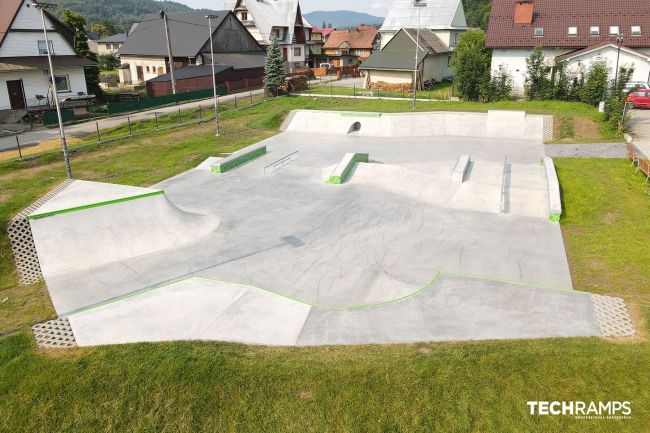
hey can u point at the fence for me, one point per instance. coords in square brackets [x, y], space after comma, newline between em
[147, 123]
[114, 108]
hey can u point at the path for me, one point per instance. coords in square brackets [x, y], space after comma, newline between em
[596, 150]
[640, 124]
[79, 129]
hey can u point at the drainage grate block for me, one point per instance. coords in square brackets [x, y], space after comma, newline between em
[613, 316]
[54, 334]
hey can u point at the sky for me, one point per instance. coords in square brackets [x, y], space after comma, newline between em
[372, 7]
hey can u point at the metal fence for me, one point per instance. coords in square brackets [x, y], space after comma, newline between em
[107, 130]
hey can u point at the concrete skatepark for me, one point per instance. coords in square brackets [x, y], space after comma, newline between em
[448, 232]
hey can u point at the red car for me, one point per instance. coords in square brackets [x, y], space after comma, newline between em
[640, 98]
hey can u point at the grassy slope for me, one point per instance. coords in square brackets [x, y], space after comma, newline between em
[427, 387]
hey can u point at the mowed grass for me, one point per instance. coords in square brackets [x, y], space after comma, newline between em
[445, 387]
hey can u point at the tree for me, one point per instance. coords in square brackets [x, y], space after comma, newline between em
[538, 84]
[477, 12]
[273, 69]
[471, 64]
[324, 25]
[595, 85]
[615, 102]
[108, 61]
[77, 22]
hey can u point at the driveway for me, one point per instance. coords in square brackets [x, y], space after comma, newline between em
[640, 124]
[34, 137]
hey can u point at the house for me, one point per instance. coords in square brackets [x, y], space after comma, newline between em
[111, 44]
[318, 37]
[25, 82]
[279, 19]
[446, 18]
[144, 55]
[570, 31]
[350, 47]
[392, 66]
[93, 37]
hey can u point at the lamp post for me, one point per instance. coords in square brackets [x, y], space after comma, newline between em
[163, 16]
[419, 4]
[64, 144]
[214, 78]
[619, 40]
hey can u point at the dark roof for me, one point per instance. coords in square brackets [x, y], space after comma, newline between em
[556, 16]
[40, 62]
[114, 39]
[393, 58]
[93, 36]
[222, 62]
[188, 34]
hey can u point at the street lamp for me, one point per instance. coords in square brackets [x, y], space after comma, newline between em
[419, 4]
[619, 40]
[64, 144]
[214, 78]
[163, 16]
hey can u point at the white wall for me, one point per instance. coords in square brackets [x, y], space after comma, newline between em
[134, 61]
[101, 48]
[392, 77]
[38, 83]
[386, 36]
[514, 61]
[609, 54]
[25, 44]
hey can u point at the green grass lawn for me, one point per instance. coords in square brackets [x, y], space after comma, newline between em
[446, 387]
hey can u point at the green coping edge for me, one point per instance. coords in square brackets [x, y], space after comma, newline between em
[555, 217]
[227, 166]
[416, 292]
[90, 206]
[338, 180]
[361, 114]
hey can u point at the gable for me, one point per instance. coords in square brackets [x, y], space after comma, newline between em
[437, 15]
[231, 36]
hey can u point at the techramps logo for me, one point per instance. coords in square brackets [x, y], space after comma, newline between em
[582, 409]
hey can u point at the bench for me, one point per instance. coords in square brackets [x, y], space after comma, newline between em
[238, 158]
[343, 169]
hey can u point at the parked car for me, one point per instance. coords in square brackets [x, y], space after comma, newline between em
[640, 98]
[633, 85]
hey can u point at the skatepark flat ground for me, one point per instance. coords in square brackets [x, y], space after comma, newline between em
[398, 253]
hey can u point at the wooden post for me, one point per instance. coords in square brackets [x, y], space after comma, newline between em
[128, 119]
[99, 138]
[20, 153]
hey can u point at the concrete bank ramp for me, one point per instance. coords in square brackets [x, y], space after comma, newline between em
[91, 224]
[493, 124]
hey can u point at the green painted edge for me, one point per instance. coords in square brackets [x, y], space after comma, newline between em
[352, 114]
[338, 180]
[555, 217]
[219, 168]
[331, 307]
[89, 206]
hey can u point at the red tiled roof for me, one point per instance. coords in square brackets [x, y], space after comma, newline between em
[324, 31]
[363, 37]
[556, 16]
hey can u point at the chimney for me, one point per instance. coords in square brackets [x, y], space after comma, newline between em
[524, 12]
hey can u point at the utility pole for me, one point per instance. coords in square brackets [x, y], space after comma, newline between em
[419, 4]
[64, 144]
[619, 40]
[214, 78]
[163, 15]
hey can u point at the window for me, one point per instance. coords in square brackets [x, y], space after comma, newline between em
[116, 46]
[594, 31]
[42, 48]
[147, 68]
[244, 16]
[297, 51]
[276, 33]
[573, 31]
[614, 30]
[539, 31]
[62, 83]
[635, 30]
[448, 61]
[108, 46]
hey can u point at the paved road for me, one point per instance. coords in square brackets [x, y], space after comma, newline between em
[640, 124]
[34, 137]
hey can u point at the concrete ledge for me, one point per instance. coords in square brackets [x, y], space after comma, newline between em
[238, 158]
[342, 170]
[554, 198]
[458, 174]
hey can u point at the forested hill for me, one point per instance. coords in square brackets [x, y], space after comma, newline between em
[477, 12]
[118, 12]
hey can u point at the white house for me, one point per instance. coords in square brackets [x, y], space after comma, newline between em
[111, 44]
[279, 19]
[445, 18]
[571, 31]
[24, 71]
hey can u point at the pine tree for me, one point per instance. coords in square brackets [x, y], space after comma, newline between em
[77, 22]
[273, 69]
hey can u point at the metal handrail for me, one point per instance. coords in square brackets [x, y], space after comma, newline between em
[282, 161]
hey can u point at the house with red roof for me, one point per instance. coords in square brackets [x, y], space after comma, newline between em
[573, 31]
[350, 47]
